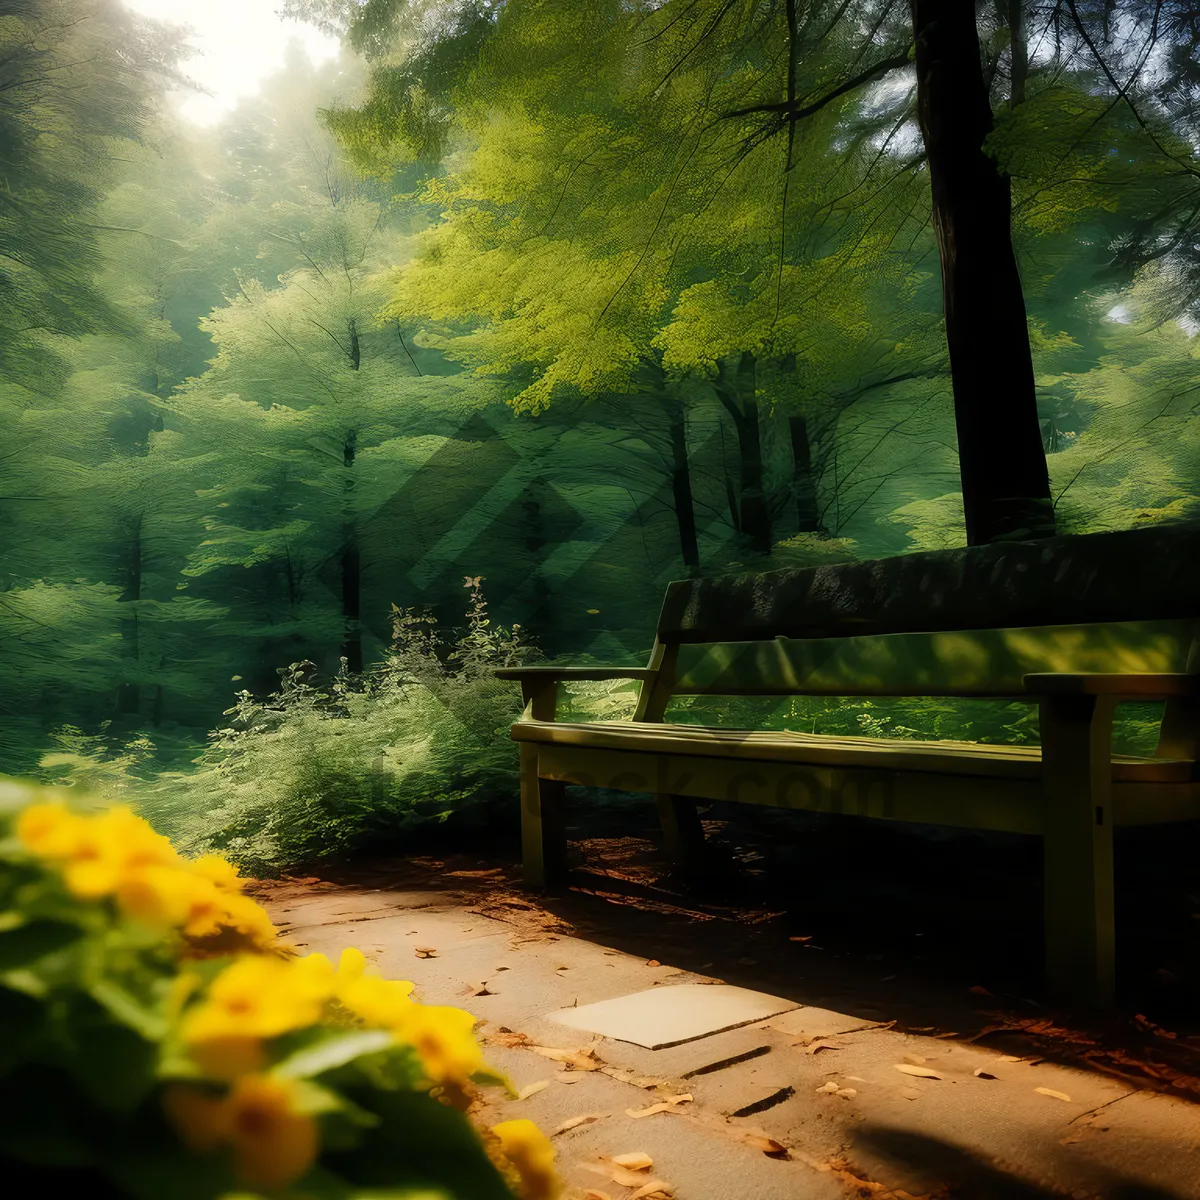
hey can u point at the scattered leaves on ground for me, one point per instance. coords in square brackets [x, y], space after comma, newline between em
[914, 1069]
[1045, 1091]
[575, 1122]
[639, 1160]
[668, 1104]
[980, 1073]
[425, 952]
[577, 1060]
[532, 1089]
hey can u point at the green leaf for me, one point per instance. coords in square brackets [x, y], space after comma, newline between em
[27, 943]
[130, 1011]
[21, 1017]
[333, 1052]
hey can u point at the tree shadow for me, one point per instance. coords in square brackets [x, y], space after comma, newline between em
[963, 1175]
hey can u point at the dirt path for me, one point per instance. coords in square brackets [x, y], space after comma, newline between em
[864, 1090]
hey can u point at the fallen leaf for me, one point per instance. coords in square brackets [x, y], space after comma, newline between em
[946, 1035]
[575, 1122]
[921, 1072]
[580, 1060]
[532, 1089]
[847, 1093]
[479, 989]
[915, 1058]
[818, 1046]
[655, 1187]
[768, 1145]
[1043, 1091]
[807, 938]
[830, 1087]
[569, 1077]
[1011, 1058]
[667, 1105]
[980, 1073]
[506, 1038]
[639, 1160]
[978, 990]
[593, 1194]
[653, 962]
[425, 952]
[626, 1177]
[501, 967]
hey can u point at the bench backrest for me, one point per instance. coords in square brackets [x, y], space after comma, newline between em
[967, 622]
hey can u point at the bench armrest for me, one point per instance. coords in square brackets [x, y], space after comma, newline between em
[1145, 686]
[539, 685]
[546, 674]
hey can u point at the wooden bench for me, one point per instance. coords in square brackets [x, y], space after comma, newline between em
[1072, 624]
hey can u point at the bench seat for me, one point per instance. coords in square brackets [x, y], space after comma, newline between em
[936, 757]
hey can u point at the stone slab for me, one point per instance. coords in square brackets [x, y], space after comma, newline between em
[669, 1016]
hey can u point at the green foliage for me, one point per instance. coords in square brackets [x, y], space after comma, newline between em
[113, 1076]
[318, 770]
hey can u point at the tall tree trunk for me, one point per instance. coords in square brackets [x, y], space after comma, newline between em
[350, 564]
[1018, 52]
[681, 488]
[804, 485]
[1005, 484]
[737, 396]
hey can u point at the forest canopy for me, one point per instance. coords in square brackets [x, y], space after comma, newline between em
[570, 299]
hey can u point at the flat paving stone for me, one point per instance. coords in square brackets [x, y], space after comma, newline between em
[669, 1016]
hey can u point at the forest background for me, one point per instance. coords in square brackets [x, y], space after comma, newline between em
[456, 349]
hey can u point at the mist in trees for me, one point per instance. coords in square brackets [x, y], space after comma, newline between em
[576, 299]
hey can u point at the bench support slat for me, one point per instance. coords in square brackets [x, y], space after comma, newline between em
[543, 831]
[1078, 845]
[683, 834]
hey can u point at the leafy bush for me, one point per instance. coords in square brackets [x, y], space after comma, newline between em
[159, 1043]
[318, 769]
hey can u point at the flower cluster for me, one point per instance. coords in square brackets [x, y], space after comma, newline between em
[275, 1072]
[117, 854]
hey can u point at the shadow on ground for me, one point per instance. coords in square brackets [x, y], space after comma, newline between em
[937, 931]
[953, 1171]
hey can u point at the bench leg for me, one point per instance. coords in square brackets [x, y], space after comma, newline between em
[683, 834]
[543, 835]
[1078, 845]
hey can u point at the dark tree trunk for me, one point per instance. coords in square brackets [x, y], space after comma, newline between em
[350, 564]
[737, 395]
[804, 485]
[681, 487]
[1005, 485]
[1018, 52]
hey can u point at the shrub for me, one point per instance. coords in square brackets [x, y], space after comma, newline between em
[319, 769]
[160, 1043]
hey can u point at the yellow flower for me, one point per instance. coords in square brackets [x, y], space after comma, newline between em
[250, 919]
[273, 1143]
[373, 999]
[156, 895]
[445, 1040]
[96, 853]
[530, 1152]
[258, 997]
[218, 871]
[49, 830]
